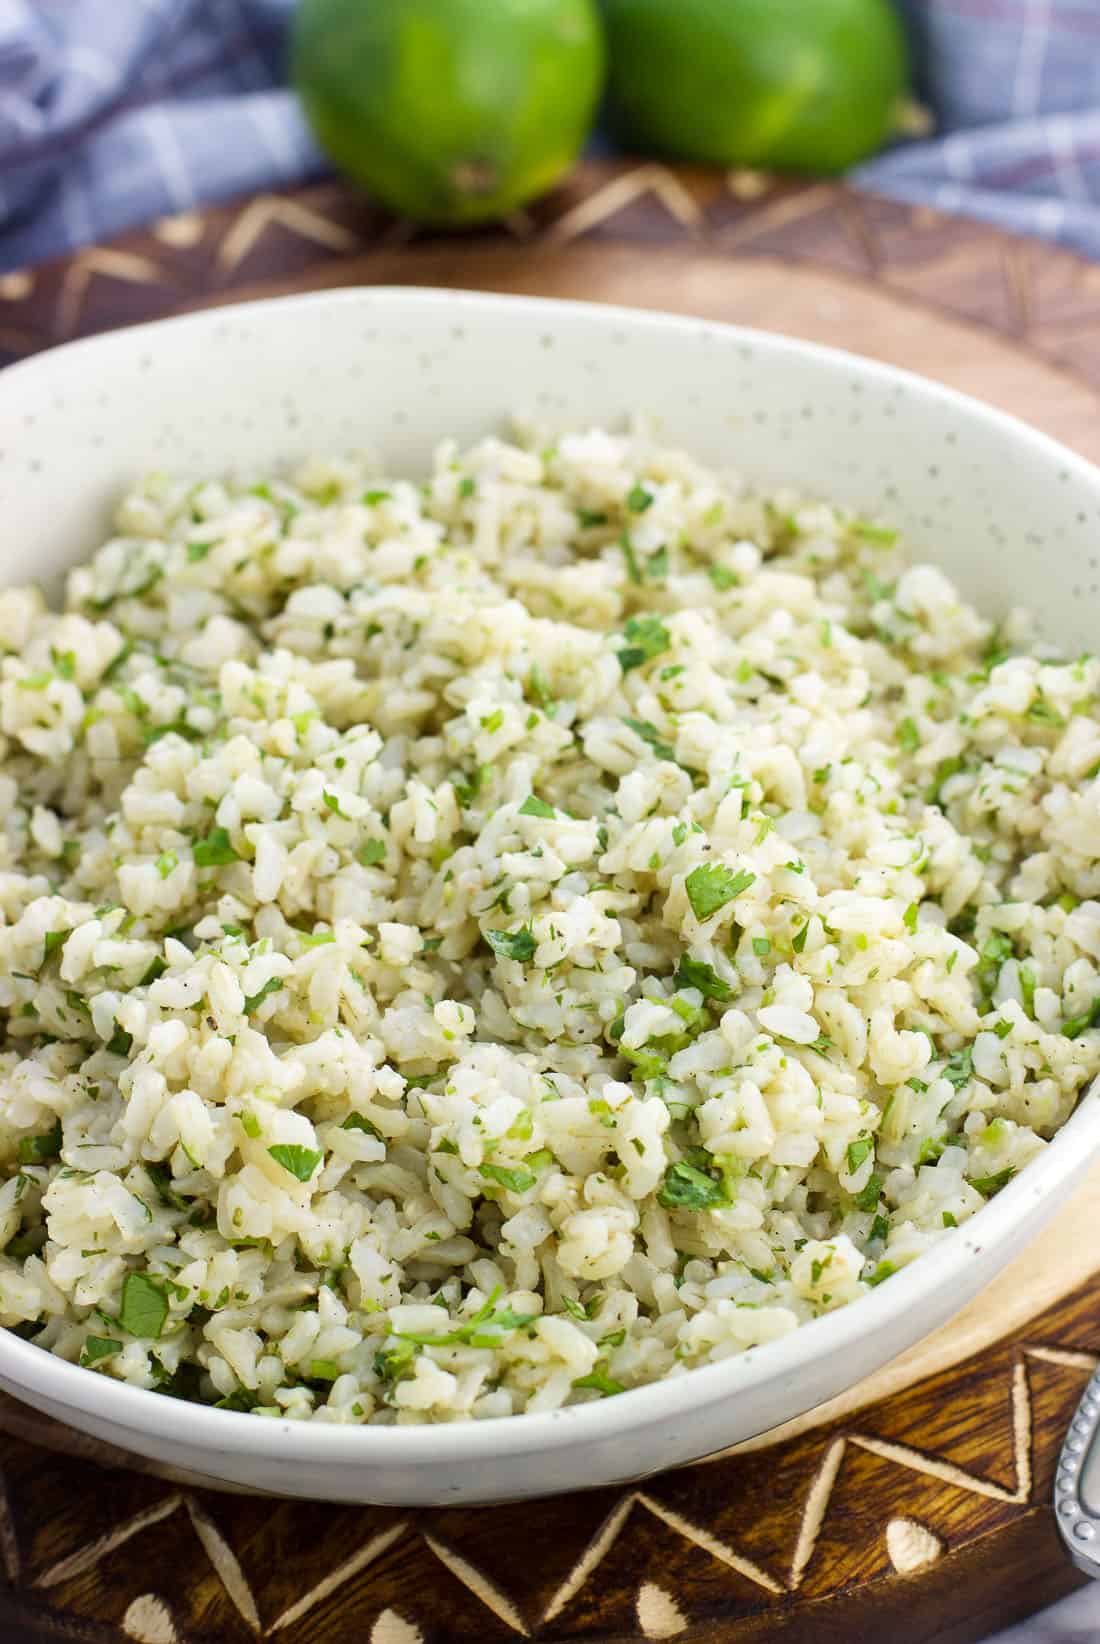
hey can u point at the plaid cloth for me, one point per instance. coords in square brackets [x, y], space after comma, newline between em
[114, 112]
[1015, 86]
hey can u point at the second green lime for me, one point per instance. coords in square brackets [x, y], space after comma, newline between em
[450, 111]
[804, 85]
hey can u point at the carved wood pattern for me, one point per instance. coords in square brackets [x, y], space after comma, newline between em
[908, 1509]
[924, 1511]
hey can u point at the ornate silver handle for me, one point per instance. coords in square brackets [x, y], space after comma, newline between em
[1077, 1483]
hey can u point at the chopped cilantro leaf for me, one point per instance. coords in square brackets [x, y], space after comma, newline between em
[686, 1188]
[144, 1306]
[516, 1180]
[710, 886]
[988, 1185]
[603, 1383]
[300, 1161]
[649, 733]
[908, 735]
[98, 1347]
[512, 944]
[959, 1070]
[1041, 713]
[356, 1121]
[215, 850]
[880, 535]
[868, 1197]
[696, 973]
[534, 806]
[33, 1149]
[272, 985]
[633, 569]
[1076, 1025]
[647, 637]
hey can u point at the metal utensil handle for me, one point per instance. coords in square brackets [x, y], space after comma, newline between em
[1077, 1483]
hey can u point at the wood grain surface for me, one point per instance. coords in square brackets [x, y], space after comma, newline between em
[917, 1503]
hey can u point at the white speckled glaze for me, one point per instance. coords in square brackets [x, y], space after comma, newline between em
[1013, 517]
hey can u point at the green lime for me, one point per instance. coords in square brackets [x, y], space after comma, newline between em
[803, 85]
[450, 111]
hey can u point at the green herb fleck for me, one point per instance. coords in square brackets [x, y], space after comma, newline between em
[686, 1188]
[98, 1347]
[300, 1161]
[512, 944]
[647, 637]
[988, 1185]
[356, 1121]
[33, 1149]
[1076, 1025]
[696, 973]
[908, 735]
[534, 806]
[272, 985]
[881, 536]
[633, 569]
[1041, 713]
[516, 1180]
[144, 1306]
[215, 850]
[649, 733]
[959, 1070]
[120, 1043]
[710, 886]
[868, 1197]
[603, 1383]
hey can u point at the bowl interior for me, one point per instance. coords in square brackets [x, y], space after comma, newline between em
[396, 371]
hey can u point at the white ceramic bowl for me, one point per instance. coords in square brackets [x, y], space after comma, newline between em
[1014, 518]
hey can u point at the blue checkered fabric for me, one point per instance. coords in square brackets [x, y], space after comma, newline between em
[1015, 89]
[115, 112]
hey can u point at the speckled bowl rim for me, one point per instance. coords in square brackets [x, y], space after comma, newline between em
[235, 1432]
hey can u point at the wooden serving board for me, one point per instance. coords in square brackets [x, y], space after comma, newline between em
[918, 1502]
